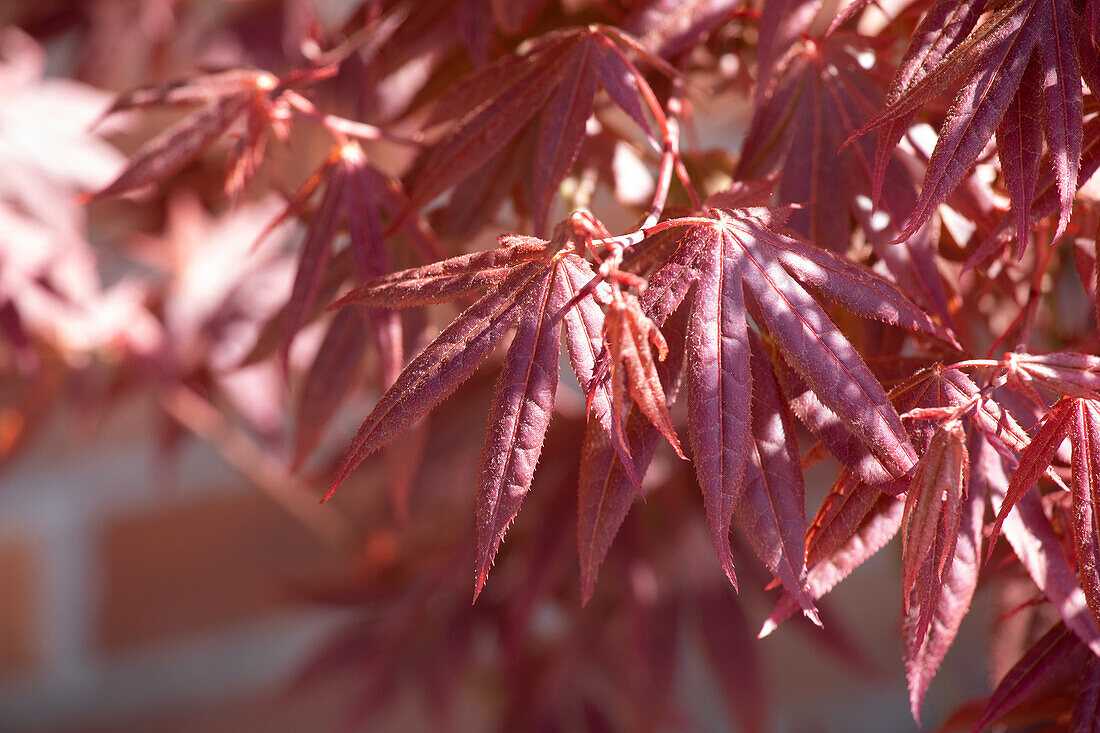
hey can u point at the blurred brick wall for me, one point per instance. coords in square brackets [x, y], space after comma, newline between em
[135, 600]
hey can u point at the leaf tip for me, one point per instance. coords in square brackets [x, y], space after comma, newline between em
[727, 568]
[332, 488]
[914, 708]
[480, 576]
[675, 443]
[769, 626]
[992, 541]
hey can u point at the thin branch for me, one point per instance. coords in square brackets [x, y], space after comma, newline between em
[343, 128]
[288, 492]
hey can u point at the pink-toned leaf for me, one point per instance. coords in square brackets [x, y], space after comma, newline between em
[839, 516]
[913, 265]
[620, 84]
[719, 386]
[629, 334]
[976, 111]
[769, 133]
[1085, 492]
[1088, 270]
[191, 90]
[516, 16]
[362, 211]
[584, 325]
[1032, 538]
[175, 147]
[989, 416]
[1020, 147]
[772, 507]
[607, 490]
[668, 286]
[670, 27]
[925, 652]
[1046, 200]
[847, 13]
[1086, 708]
[877, 527]
[1064, 372]
[1084, 257]
[483, 133]
[485, 84]
[825, 359]
[443, 281]
[316, 251]
[519, 417]
[932, 508]
[945, 24]
[939, 31]
[832, 432]
[988, 39]
[1035, 459]
[1061, 87]
[856, 288]
[328, 380]
[853, 94]
[562, 128]
[740, 194]
[356, 194]
[486, 188]
[781, 25]
[1041, 660]
[274, 330]
[822, 190]
[439, 369]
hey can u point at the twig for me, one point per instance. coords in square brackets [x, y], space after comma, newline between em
[290, 493]
[341, 126]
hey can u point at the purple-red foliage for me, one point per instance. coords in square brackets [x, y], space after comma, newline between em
[515, 187]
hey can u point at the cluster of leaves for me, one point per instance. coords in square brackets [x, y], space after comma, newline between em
[840, 280]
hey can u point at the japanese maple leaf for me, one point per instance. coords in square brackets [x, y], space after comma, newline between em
[1057, 663]
[741, 265]
[531, 286]
[1019, 77]
[941, 542]
[628, 334]
[821, 94]
[941, 520]
[1046, 198]
[770, 510]
[554, 81]
[932, 506]
[1077, 418]
[608, 482]
[670, 27]
[1064, 373]
[857, 518]
[357, 196]
[255, 95]
[332, 373]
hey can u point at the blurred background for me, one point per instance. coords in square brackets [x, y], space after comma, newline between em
[161, 569]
